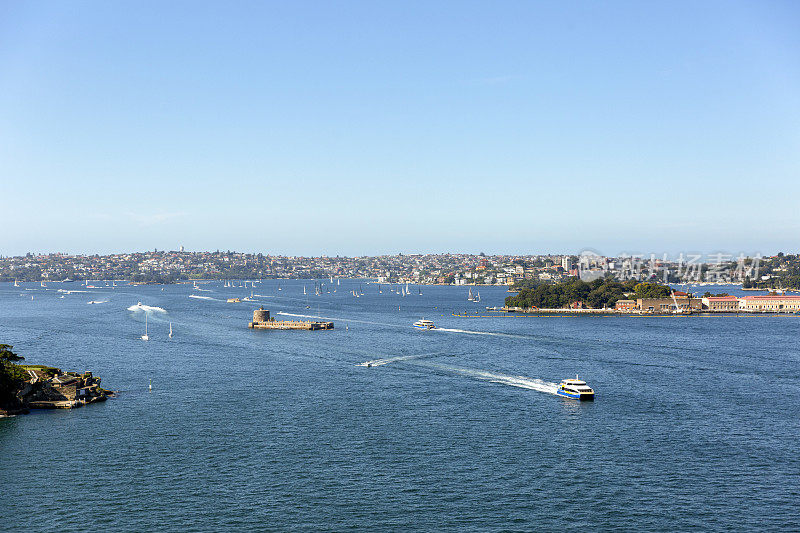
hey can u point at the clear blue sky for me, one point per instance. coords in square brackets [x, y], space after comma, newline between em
[379, 127]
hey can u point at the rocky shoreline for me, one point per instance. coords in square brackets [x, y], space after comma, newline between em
[50, 388]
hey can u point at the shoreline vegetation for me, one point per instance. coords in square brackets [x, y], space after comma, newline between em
[609, 296]
[602, 293]
[26, 387]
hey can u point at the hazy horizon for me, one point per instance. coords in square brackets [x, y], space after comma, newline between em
[706, 255]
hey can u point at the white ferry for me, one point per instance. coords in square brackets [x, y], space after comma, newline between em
[575, 389]
[424, 324]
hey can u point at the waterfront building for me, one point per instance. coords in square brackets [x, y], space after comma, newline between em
[667, 305]
[770, 302]
[721, 303]
[625, 305]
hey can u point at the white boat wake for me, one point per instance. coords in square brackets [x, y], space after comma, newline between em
[97, 302]
[523, 382]
[147, 308]
[386, 361]
[201, 297]
[469, 332]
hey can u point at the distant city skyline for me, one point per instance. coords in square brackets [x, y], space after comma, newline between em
[375, 128]
[162, 266]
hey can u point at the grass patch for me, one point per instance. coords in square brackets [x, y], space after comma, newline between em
[49, 371]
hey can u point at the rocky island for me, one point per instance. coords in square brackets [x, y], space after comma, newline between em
[25, 387]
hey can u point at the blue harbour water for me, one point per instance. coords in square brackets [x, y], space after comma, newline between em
[695, 425]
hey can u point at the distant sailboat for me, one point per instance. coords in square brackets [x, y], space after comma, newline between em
[16, 283]
[170, 330]
[145, 337]
[469, 296]
[304, 289]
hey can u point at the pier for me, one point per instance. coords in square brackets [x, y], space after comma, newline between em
[262, 320]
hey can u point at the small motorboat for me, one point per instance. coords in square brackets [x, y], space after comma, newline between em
[424, 324]
[575, 389]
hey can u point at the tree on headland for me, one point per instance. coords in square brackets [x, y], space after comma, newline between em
[11, 374]
[7, 356]
[652, 290]
[597, 294]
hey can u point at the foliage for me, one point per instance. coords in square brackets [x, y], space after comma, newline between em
[48, 371]
[526, 284]
[652, 290]
[6, 355]
[782, 271]
[597, 294]
[11, 375]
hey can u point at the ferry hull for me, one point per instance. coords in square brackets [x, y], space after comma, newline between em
[574, 396]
